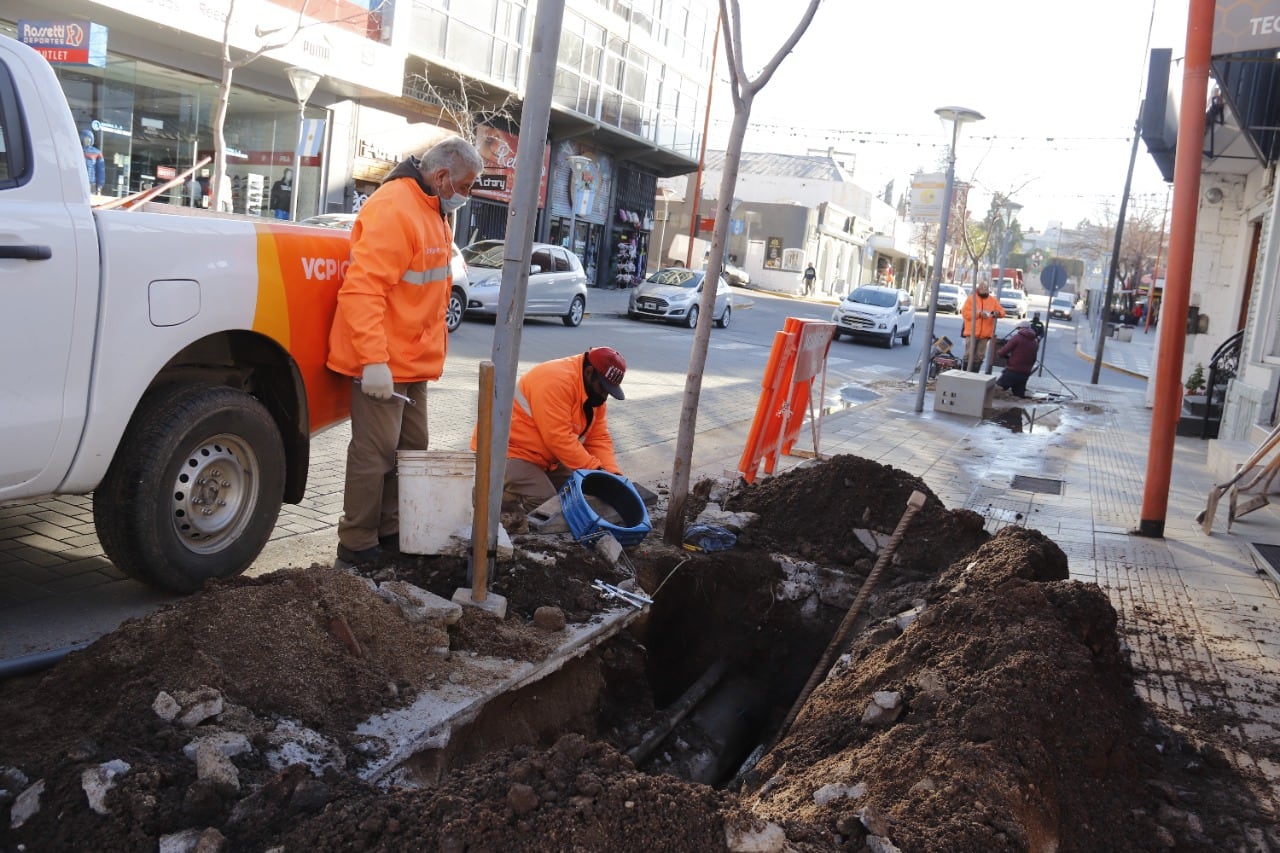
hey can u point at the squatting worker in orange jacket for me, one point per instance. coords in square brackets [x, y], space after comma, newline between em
[389, 333]
[559, 424]
[979, 311]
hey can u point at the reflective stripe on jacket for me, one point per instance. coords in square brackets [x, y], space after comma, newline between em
[975, 304]
[548, 424]
[392, 303]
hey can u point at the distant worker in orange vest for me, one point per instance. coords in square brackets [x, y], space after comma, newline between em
[980, 311]
[559, 425]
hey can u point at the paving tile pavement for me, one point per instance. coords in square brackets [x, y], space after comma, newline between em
[1200, 614]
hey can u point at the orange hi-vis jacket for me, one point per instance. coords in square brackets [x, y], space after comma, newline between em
[392, 303]
[548, 424]
[974, 305]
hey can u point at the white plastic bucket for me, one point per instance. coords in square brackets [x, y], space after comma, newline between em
[435, 497]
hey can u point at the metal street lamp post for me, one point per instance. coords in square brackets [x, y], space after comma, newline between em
[956, 116]
[304, 83]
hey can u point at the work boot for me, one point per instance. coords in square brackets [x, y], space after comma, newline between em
[390, 543]
[348, 559]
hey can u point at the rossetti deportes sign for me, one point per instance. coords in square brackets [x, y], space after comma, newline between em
[67, 42]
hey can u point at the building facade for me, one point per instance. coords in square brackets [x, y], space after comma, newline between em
[790, 211]
[627, 107]
[394, 76]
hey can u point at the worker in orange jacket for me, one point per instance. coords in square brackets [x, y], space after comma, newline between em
[980, 311]
[559, 424]
[389, 333]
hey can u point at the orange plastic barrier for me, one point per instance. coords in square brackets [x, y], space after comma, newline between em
[799, 356]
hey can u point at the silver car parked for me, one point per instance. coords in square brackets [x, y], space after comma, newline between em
[557, 283]
[674, 295]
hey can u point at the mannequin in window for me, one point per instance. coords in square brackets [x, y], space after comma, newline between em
[93, 162]
[282, 195]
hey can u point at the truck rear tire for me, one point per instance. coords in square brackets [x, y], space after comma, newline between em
[195, 487]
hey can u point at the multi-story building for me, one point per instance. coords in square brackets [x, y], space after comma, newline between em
[790, 211]
[629, 97]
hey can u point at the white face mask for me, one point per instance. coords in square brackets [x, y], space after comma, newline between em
[453, 202]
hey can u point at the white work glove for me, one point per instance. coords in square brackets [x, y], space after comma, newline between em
[376, 381]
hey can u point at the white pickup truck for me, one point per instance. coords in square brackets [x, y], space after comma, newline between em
[172, 365]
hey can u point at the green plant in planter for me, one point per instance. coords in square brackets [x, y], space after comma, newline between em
[1195, 383]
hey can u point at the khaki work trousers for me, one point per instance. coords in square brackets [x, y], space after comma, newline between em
[983, 352]
[371, 499]
[531, 485]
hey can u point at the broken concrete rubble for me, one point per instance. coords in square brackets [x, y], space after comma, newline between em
[419, 605]
[98, 781]
[229, 744]
[26, 805]
[214, 767]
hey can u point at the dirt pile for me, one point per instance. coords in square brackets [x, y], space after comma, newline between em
[1003, 715]
[814, 511]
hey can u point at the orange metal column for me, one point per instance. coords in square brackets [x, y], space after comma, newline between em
[1177, 288]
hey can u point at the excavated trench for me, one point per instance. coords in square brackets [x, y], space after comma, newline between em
[1003, 718]
[691, 687]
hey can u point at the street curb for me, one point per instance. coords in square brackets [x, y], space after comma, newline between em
[1117, 368]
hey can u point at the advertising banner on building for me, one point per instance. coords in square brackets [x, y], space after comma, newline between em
[66, 42]
[498, 179]
[926, 197]
[773, 253]
[322, 39]
[1240, 26]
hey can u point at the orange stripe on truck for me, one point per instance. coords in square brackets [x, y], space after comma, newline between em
[299, 273]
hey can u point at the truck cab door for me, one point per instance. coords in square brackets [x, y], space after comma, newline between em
[48, 278]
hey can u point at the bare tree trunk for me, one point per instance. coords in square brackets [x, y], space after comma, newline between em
[220, 113]
[219, 136]
[673, 532]
[743, 91]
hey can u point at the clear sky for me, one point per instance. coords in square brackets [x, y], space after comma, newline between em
[1060, 85]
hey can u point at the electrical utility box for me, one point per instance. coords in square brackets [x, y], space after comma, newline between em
[959, 392]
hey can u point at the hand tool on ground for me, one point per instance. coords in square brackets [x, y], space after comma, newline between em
[1265, 476]
[914, 504]
[635, 599]
[1215, 494]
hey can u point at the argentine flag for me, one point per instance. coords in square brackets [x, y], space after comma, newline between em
[312, 137]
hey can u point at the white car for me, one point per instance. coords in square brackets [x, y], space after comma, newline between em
[557, 282]
[674, 294]
[1014, 302]
[1062, 307]
[457, 266]
[872, 311]
[950, 297]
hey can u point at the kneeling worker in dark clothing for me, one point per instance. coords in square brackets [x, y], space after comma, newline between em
[1020, 349]
[559, 424]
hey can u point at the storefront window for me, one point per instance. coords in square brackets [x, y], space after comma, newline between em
[152, 124]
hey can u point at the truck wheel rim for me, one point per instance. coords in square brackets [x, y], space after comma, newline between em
[214, 493]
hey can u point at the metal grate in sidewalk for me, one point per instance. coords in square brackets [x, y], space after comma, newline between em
[1269, 556]
[1040, 485]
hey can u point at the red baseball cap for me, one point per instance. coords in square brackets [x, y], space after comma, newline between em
[611, 367]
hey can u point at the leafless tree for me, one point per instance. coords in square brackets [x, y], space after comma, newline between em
[743, 91]
[466, 105]
[271, 39]
[1142, 244]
